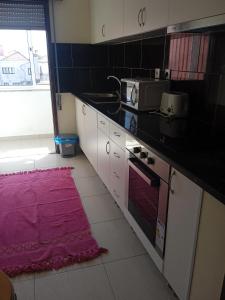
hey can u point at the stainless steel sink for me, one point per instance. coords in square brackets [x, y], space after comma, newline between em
[101, 95]
[101, 98]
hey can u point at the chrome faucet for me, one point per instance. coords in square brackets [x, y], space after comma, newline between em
[119, 95]
[117, 79]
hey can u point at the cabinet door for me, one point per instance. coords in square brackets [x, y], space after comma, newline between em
[155, 14]
[80, 123]
[103, 157]
[117, 174]
[182, 10]
[98, 20]
[182, 225]
[209, 266]
[114, 22]
[132, 16]
[91, 135]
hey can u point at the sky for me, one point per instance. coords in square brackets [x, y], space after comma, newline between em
[17, 40]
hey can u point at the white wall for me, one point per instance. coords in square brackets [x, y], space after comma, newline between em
[25, 113]
[72, 21]
[67, 116]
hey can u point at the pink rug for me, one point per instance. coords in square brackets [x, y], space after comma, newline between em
[42, 222]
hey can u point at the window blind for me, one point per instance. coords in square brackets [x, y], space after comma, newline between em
[20, 14]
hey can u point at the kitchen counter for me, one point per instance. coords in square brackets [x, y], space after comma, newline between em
[185, 144]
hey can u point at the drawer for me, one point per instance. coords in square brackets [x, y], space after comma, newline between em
[103, 124]
[117, 189]
[117, 135]
[117, 159]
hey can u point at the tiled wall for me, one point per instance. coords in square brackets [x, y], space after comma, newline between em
[86, 67]
[197, 62]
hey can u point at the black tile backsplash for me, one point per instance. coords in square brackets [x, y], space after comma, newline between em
[196, 60]
[64, 55]
[133, 54]
[153, 53]
[117, 55]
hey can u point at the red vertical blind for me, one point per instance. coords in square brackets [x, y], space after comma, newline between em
[188, 56]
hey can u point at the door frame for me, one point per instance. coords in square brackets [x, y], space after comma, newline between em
[51, 63]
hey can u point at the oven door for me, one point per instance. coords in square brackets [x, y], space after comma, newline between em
[143, 199]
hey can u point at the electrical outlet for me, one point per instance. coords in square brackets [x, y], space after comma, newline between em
[167, 74]
[157, 73]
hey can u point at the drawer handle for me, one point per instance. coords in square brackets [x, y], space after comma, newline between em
[116, 133]
[115, 193]
[116, 155]
[102, 122]
[116, 175]
[107, 148]
[170, 182]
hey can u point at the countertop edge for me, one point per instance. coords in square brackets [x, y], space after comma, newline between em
[189, 174]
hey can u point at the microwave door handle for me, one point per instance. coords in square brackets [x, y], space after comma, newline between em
[131, 95]
[143, 176]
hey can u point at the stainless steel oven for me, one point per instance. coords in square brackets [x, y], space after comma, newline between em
[148, 194]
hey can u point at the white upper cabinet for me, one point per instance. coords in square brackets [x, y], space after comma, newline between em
[71, 21]
[182, 228]
[133, 16]
[106, 20]
[183, 10]
[145, 15]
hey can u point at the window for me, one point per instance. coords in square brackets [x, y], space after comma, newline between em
[8, 70]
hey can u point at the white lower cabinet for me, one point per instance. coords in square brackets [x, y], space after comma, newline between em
[182, 228]
[104, 157]
[87, 130]
[117, 174]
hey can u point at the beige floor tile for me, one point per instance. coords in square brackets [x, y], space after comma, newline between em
[137, 278]
[101, 208]
[16, 164]
[24, 290]
[84, 284]
[118, 238]
[90, 186]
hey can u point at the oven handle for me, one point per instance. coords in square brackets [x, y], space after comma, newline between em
[143, 176]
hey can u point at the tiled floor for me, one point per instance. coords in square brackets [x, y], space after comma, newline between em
[22, 146]
[125, 273]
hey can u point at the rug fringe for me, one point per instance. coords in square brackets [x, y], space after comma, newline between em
[36, 171]
[56, 264]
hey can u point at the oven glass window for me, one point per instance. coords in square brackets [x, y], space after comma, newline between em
[143, 203]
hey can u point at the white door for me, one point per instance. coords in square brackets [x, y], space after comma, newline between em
[183, 218]
[132, 16]
[80, 123]
[183, 10]
[91, 135]
[155, 14]
[103, 157]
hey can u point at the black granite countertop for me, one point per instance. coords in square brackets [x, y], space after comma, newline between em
[187, 145]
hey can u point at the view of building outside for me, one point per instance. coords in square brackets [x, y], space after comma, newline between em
[23, 58]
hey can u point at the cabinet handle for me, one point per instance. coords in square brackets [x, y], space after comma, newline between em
[143, 16]
[103, 30]
[139, 14]
[106, 147]
[170, 183]
[102, 122]
[116, 155]
[83, 109]
[116, 134]
[116, 175]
